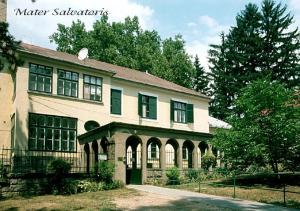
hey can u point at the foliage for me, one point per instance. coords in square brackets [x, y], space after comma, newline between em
[58, 169]
[208, 160]
[262, 43]
[90, 186]
[192, 174]
[201, 79]
[114, 185]
[265, 130]
[8, 48]
[126, 44]
[105, 171]
[173, 175]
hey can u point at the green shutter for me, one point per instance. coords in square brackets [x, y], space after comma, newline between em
[152, 107]
[190, 113]
[140, 105]
[172, 110]
[115, 106]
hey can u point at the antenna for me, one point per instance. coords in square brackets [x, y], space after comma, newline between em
[83, 54]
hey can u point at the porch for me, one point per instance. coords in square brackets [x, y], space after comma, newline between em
[143, 152]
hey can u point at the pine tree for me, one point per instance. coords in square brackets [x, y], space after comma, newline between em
[261, 44]
[201, 78]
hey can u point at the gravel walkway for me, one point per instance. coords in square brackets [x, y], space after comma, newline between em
[199, 199]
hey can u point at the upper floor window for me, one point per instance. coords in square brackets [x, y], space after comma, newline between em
[116, 101]
[67, 83]
[92, 88]
[182, 112]
[147, 106]
[40, 78]
[52, 133]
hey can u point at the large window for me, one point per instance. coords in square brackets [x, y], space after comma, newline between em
[92, 88]
[40, 78]
[67, 83]
[52, 133]
[182, 112]
[147, 106]
[116, 101]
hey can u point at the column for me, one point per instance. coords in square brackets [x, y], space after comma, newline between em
[179, 154]
[195, 155]
[144, 159]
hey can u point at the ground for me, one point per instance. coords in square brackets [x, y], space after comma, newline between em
[133, 198]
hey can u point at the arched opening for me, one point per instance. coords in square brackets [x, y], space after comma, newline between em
[95, 155]
[171, 153]
[153, 155]
[187, 154]
[201, 151]
[104, 146]
[133, 160]
[87, 156]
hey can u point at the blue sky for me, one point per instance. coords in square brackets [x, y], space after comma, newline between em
[199, 21]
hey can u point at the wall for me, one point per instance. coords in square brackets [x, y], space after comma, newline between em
[3, 7]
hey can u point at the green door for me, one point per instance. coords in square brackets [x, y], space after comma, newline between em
[133, 164]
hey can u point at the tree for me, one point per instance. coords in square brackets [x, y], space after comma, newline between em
[201, 79]
[8, 49]
[265, 132]
[126, 44]
[261, 44]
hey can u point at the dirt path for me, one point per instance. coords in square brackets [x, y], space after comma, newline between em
[158, 198]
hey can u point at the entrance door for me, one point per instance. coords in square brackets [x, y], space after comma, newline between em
[133, 161]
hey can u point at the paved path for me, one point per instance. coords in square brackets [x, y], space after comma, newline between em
[223, 203]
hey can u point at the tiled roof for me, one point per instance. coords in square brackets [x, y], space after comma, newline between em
[117, 71]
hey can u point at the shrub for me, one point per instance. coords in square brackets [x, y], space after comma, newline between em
[173, 176]
[105, 171]
[192, 174]
[58, 169]
[114, 185]
[208, 160]
[90, 186]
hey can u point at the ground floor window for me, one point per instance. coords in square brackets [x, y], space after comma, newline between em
[52, 133]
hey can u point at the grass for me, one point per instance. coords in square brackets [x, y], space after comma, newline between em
[102, 200]
[253, 193]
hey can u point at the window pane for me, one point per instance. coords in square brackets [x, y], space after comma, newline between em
[60, 87]
[72, 123]
[57, 122]
[50, 121]
[86, 94]
[61, 74]
[48, 71]
[33, 119]
[49, 135]
[56, 140]
[41, 139]
[64, 140]
[33, 68]
[87, 79]
[74, 89]
[47, 84]
[93, 92]
[93, 80]
[74, 76]
[65, 123]
[32, 82]
[71, 146]
[98, 92]
[68, 75]
[40, 83]
[41, 120]
[67, 87]
[99, 81]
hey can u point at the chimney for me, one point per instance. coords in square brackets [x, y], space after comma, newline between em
[3, 10]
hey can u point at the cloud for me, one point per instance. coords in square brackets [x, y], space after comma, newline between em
[37, 29]
[294, 4]
[206, 31]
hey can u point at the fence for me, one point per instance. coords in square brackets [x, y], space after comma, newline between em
[25, 161]
[280, 182]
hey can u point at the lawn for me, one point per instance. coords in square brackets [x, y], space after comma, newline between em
[254, 193]
[102, 200]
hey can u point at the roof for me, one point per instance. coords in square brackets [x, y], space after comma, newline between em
[118, 72]
[216, 123]
[106, 130]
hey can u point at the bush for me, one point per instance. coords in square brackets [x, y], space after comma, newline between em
[114, 185]
[105, 171]
[208, 160]
[173, 176]
[192, 174]
[90, 186]
[58, 169]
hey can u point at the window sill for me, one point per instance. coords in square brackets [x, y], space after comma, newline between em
[64, 97]
[116, 115]
[148, 119]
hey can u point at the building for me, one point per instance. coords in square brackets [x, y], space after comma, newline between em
[56, 105]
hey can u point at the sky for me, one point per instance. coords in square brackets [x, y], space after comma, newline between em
[200, 22]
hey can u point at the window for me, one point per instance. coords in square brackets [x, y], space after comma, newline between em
[92, 88]
[52, 133]
[115, 101]
[182, 112]
[40, 78]
[67, 83]
[147, 106]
